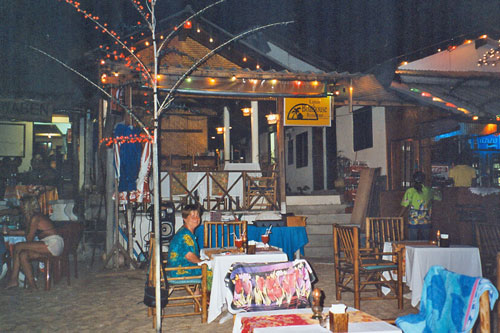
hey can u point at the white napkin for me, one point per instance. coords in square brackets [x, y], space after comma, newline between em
[338, 308]
[208, 262]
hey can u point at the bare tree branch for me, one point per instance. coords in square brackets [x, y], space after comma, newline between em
[126, 108]
[142, 13]
[182, 24]
[208, 55]
[112, 34]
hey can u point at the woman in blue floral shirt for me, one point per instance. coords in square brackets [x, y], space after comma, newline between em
[183, 249]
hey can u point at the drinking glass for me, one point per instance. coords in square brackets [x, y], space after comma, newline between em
[238, 242]
[265, 239]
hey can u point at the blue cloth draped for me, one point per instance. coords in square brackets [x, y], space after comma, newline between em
[450, 302]
[290, 239]
[130, 157]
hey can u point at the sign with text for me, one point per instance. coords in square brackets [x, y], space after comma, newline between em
[25, 110]
[307, 111]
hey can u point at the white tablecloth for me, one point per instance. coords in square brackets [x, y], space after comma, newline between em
[221, 264]
[377, 326]
[461, 259]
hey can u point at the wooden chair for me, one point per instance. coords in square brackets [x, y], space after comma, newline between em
[260, 192]
[57, 266]
[383, 229]
[488, 242]
[220, 234]
[440, 300]
[361, 270]
[186, 285]
[498, 306]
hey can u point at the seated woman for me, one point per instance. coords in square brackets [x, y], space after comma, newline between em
[49, 242]
[183, 248]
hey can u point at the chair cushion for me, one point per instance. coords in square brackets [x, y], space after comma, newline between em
[375, 264]
[181, 282]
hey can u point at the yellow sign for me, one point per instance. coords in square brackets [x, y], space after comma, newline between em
[307, 111]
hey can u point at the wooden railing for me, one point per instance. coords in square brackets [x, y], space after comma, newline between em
[221, 190]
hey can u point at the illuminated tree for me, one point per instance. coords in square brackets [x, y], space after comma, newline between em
[146, 10]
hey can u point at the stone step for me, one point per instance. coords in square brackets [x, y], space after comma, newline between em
[316, 209]
[323, 252]
[328, 219]
[313, 200]
[325, 239]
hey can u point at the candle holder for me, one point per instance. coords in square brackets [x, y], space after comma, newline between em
[317, 309]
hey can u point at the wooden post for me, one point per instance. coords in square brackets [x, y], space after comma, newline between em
[484, 313]
[280, 134]
[130, 235]
[110, 204]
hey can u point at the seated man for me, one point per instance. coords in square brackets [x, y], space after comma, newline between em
[183, 249]
[36, 225]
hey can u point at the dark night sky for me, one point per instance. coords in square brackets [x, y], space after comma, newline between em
[353, 35]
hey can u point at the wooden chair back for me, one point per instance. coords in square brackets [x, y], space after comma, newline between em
[360, 270]
[488, 242]
[221, 234]
[346, 241]
[383, 229]
[261, 192]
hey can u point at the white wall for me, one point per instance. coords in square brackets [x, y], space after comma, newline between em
[28, 147]
[302, 176]
[375, 156]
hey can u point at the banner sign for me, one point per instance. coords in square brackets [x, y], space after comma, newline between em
[25, 110]
[307, 111]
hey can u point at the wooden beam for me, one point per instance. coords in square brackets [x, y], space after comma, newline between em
[280, 105]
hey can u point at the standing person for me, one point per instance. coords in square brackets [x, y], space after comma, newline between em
[49, 242]
[463, 175]
[183, 248]
[417, 201]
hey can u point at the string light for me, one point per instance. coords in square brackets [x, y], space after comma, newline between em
[136, 138]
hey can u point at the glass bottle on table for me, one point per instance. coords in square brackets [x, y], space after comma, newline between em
[245, 242]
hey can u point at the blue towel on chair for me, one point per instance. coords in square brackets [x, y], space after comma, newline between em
[449, 303]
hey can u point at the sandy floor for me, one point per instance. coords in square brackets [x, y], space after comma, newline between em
[105, 300]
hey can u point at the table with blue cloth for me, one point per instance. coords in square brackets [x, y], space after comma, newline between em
[289, 239]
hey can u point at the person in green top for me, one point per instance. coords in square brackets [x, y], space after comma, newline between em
[183, 248]
[417, 203]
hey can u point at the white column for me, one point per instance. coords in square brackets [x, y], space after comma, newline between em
[255, 131]
[227, 137]
[325, 166]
